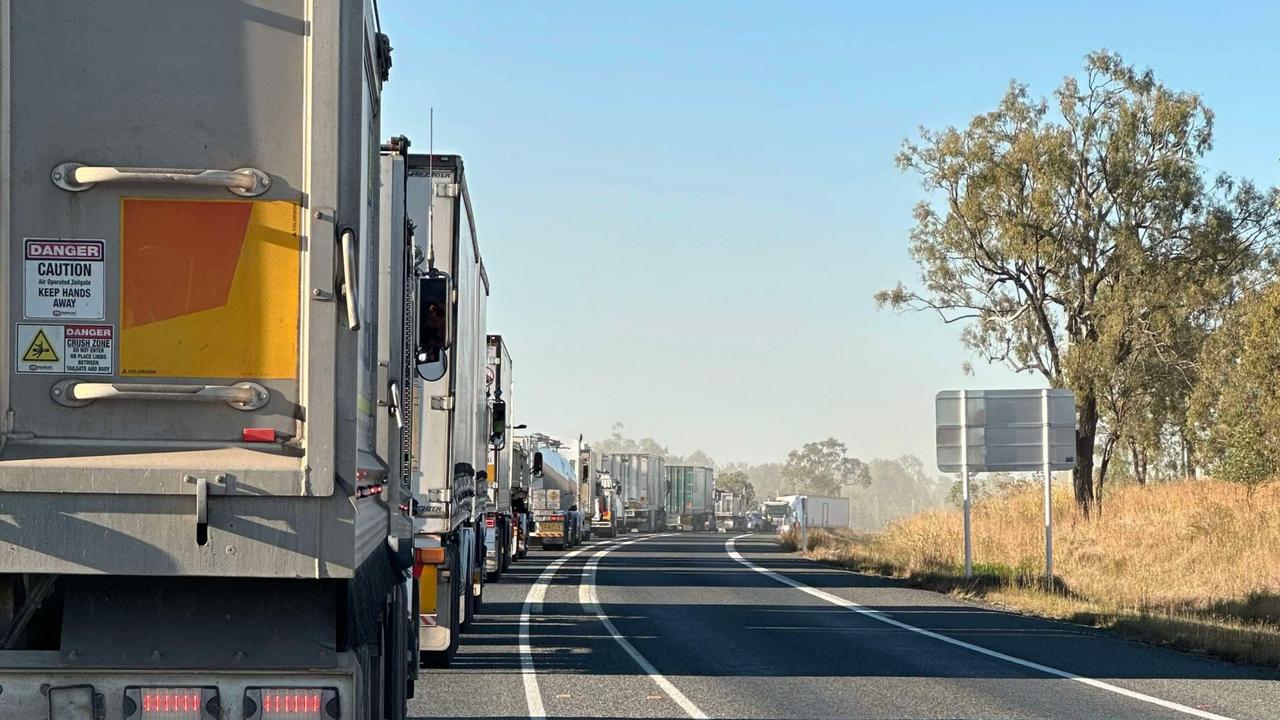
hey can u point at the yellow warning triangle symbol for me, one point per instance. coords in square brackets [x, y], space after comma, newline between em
[40, 349]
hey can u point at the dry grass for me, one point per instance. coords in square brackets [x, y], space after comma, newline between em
[1192, 564]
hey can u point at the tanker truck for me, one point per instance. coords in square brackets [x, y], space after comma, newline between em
[553, 498]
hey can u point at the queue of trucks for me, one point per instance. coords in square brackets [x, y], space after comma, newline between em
[257, 452]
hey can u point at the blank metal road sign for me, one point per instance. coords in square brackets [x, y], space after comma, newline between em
[1005, 430]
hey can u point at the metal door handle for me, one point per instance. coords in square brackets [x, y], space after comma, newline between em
[77, 177]
[350, 290]
[241, 396]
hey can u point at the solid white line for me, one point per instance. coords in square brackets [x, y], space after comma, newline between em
[537, 593]
[587, 597]
[877, 615]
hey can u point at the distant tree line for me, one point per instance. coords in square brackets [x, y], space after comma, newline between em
[1082, 240]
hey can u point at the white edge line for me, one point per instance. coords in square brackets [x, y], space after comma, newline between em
[877, 615]
[537, 593]
[588, 598]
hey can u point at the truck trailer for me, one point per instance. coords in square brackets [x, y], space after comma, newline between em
[521, 482]
[500, 534]
[731, 510]
[690, 497]
[449, 402]
[553, 499]
[641, 479]
[819, 512]
[607, 512]
[203, 505]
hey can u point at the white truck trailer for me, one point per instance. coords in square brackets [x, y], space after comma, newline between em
[449, 403]
[205, 516]
[816, 511]
[500, 534]
[642, 479]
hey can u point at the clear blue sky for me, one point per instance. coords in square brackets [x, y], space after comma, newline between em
[685, 207]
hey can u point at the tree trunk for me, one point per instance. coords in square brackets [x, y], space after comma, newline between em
[1107, 449]
[1138, 462]
[1086, 436]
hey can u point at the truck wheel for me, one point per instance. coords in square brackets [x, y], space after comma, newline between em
[396, 654]
[499, 561]
[508, 545]
[475, 597]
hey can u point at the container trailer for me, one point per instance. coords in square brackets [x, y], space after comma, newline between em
[607, 512]
[819, 512]
[641, 479]
[203, 502]
[690, 497]
[450, 403]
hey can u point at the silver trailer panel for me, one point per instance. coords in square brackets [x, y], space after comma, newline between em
[643, 478]
[260, 86]
[452, 411]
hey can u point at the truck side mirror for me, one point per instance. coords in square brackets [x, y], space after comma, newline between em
[435, 326]
[537, 464]
[498, 433]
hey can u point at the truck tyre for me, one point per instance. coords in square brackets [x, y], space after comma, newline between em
[442, 658]
[396, 657]
[500, 560]
[508, 546]
[475, 597]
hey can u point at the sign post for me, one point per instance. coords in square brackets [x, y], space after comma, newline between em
[1048, 489]
[1030, 430]
[964, 485]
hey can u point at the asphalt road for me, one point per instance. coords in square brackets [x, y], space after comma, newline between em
[722, 626]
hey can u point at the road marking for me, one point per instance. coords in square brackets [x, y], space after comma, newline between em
[587, 597]
[877, 615]
[537, 593]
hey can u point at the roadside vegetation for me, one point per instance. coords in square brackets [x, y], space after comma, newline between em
[1085, 239]
[1192, 564]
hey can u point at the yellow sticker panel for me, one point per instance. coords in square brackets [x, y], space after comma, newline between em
[209, 288]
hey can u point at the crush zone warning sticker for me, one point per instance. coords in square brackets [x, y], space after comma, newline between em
[69, 349]
[64, 278]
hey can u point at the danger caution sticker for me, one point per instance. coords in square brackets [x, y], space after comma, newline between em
[64, 278]
[68, 349]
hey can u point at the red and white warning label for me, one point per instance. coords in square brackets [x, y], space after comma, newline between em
[64, 278]
[69, 349]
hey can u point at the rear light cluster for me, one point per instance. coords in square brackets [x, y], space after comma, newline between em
[490, 521]
[422, 557]
[172, 703]
[365, 491]
[202, 703]
[291, 704]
